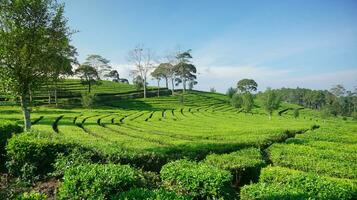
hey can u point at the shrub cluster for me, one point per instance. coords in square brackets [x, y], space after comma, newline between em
[244, 164]
[140, 193]
[283, 183]
[32, 153]
[32, 196]
[196, 179]
[97, 181]
[7, 129]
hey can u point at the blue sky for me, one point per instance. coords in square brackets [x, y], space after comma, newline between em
[278, 43]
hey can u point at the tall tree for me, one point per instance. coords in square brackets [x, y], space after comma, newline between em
[88, 74]
[33, 38]
[184, 69]
[100, 63]
[143, 62]
[159, 73]
[114, 75]
[247, 85]
[247, 102]
[271, 101]
[164, 70]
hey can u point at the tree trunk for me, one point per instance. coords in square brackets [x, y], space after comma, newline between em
[49, 96]
[144, 83]
[158, 88]
[173, 86]
[184, 84]
[89, 87]
[26, 112]
[56, 96]
[30, 92]
[167, 83]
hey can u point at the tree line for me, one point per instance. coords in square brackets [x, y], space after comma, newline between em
[336, 101]
[242, 97]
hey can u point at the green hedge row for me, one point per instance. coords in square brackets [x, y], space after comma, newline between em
[158, 194]
[196, 179]
[97, 181]
[7, 129]
[244, 164]
[283, 183]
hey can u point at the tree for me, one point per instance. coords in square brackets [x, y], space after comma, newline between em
[237, 100]
[247, 102]
[34, 38]
[164, 69]
[338, 90]
[100, 64]
[247, 85]
[158, 74]
[230, 92]
[143, 62]
[138, 82]
[114, 75]
[171, 70]
[271, 101]
[184, 69]
[88, 74]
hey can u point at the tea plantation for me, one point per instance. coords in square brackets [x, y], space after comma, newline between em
[191, 146]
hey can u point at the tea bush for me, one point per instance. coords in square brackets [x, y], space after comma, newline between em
[244, 164]
[195, 179]
[282, 183]
[7, 129]
[158, 194]
[97, 181]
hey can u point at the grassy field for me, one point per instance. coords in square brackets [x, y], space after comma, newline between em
[299, 158]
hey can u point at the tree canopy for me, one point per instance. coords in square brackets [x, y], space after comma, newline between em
[34, 43]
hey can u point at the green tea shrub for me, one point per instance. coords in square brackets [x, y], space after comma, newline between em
[75, 158]
[97, 181]
[282, 183]
[140, 193]
[27, 151]
[244, 164]
[195, 179]
[7, 129]
[32, 196]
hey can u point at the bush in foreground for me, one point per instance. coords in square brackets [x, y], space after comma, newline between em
[7, 128]
[283, 183]
[97, 181]
[196, 180]
[244, 164]
[140, 194]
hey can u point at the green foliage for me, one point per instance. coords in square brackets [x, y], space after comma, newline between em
[244, 164]
[26, 153]
[7, 129]
[271, 101]
[247, 85]
[32, 196]
[247, 102]
[140, 193]
[75, 158]
[88, 74]
[354, 115]
[97, 181]
[230, 92]
[88, 99]
[296, 113]
[282, 183]
[196, 180]
[237, 100]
